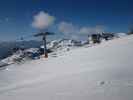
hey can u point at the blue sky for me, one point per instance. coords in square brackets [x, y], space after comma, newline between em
[16, 15]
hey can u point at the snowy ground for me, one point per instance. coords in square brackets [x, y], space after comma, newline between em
[102, 72]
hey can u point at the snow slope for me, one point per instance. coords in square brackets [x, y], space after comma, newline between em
[102, 72]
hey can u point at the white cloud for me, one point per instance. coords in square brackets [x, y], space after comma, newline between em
[100, 28]
[7, 19]
[42, 20]
[70, 29]
[67, 28]
[85, 30]
[92, 30]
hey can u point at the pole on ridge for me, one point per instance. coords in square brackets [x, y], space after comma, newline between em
[43, 35]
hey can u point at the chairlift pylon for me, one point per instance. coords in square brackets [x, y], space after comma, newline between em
[43, 35]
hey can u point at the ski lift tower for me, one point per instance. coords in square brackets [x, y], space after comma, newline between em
[43, 35]
[22, 43]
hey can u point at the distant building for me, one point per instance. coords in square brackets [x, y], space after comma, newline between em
[95, 38]
[107, 36]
